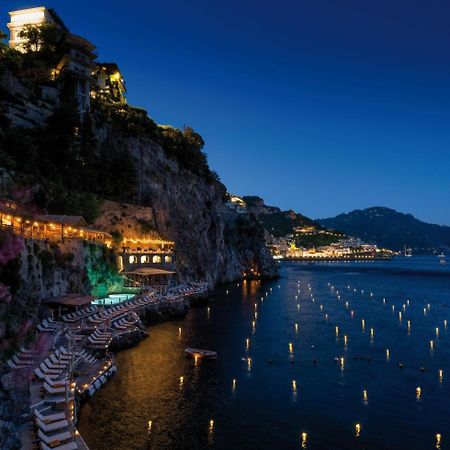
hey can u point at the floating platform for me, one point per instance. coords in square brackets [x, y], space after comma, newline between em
[200, 353]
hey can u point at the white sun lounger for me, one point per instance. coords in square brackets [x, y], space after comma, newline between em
[53, 426]
[54, 439]
[69, 446]
[49, 417]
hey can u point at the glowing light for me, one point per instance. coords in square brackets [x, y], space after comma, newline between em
[298, 306]
[357, 430]
[437, 331]
[409, 325]
[393, 308]
[304, 440]
[432, 345]
[337, 331]
[149, 426]
[418, 392]
[296, 327]
[445, 323]
[211, 424]
[291, 347]
[388, 353]
[365, 396]
[400, 316]
[345, 339]
[441, 375]
[294, 385]
[438, 440]
[346, 304]
[179, 331]
[234, 384]
[321, 307]
[363, 324]
[181, 381]
[247, 343]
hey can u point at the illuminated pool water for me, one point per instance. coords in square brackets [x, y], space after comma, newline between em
[113, 299]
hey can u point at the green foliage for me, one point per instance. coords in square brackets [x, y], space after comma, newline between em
[102, 272]
[44, 47]
[117, 237]
[146, 226]
[315, 240]
[45, 39]
[283, 222]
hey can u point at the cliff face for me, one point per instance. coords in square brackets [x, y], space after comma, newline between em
[210, 241]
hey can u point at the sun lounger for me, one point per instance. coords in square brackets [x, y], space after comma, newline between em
[47, 418]
[69, 446]
[47, 370]
[52, 426]
[54, 390]
[54, 439]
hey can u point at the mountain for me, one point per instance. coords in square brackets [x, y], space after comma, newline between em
[391, 229]
[275, 221]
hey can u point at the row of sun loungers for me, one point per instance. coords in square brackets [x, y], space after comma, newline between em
[48, 325]
[53, 430]
[73, 317]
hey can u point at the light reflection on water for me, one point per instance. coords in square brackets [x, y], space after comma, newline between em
[269, 397]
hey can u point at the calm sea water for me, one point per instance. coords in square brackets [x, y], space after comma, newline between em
[281, 392]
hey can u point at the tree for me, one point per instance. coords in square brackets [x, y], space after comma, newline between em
[3, 45]
[45, 38]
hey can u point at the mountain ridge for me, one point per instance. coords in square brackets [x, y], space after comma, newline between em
[390, 228]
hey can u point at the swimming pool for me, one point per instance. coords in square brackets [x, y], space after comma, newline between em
[113, 299]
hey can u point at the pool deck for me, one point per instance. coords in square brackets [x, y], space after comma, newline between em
[86, 339]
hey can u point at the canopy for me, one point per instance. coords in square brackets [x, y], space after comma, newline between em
[71, 300]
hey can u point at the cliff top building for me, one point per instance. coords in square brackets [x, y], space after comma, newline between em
[73, 73]
[110, 83]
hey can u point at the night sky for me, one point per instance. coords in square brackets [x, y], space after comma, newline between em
[319, 106]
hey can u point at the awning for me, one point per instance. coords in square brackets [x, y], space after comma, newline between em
[148, 271]
[71, 300]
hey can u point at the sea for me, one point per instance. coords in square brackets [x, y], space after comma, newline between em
[333, 355]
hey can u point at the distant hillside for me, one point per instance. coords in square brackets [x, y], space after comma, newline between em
[392, 229]
[275, 221]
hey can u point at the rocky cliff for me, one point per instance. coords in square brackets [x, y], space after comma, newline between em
[211, 241]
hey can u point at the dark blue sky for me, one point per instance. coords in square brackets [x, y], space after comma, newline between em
[322, 106]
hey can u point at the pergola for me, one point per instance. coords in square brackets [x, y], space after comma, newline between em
[145, 277]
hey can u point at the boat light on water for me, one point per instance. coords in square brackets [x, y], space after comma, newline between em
[234, 384]
[294, 385]
[438, 440]
[337, 331]
[357, 429]
[291, 347]
[363, 324]
[388, 353]
[365, 397]
[304, 439]
[418, 392]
